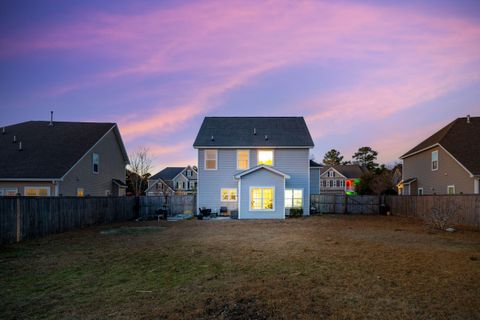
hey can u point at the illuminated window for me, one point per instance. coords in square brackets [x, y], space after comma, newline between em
[95, 162]
[265, 157]
[37, 191]
[261, 198]
[293, 198]
[242, 159]
[80, 192]
[211, 159]
[434, 160]
[228, 195]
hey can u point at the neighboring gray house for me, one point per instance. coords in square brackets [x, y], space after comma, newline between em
[315, 171]
[257, 167]
[41, 158]
[448, 162]
[178, 180]
[341, 179]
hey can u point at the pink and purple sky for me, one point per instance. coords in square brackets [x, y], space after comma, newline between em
[380, 73]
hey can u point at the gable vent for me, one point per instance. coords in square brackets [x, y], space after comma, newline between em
[3, 130]
[212, 138]
[20, 148]
[254, 131]
[14, 139]
[468, 118]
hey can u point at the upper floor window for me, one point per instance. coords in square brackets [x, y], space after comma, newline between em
[434, 160]
[265, 157]
[243, 159]
[95, 162]
[189, 173]
[211, 158]
[330, 174]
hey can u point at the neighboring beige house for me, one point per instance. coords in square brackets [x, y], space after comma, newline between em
[41, 158]
[448, 162]
[340, 179]
[178, 180]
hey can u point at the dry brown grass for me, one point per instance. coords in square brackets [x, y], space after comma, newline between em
[336, 267]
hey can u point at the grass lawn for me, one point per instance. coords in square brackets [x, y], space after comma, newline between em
[338, 267]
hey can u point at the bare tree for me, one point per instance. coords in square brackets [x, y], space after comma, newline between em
[441, 218]
[140, 166]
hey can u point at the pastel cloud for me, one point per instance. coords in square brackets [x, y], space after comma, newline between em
[211, 48]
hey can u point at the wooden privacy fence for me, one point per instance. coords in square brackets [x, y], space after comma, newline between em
[468, 212]
[176, 204]
[338, 203]
[31, 217]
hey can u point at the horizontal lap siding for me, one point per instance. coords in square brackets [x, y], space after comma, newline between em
[262, 178]
[294, 162]
[314, 180]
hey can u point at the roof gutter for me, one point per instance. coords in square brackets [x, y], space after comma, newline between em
[31, 179]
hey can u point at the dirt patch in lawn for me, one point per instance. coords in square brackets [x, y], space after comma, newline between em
[337, 267]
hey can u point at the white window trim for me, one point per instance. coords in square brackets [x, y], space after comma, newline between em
[418, 191]
[248, 159]
[451, 186]
[93, 163]
[36, 187]
[229, 189]
[273, 156]
[250, 198]
[205, 160]
[431, 159]
[294, 197]
[5, 190]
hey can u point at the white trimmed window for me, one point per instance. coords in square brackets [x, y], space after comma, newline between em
[262, 198]
[8, 192]
[37, 191]
[95, 162]
[451, 189]
[189, 173]
[80, 192]
[228, 195]
[293, 198]
[265, 157]
[211, 157]
[330, 174]
[243, 162]
[434, 160]
[420, 191]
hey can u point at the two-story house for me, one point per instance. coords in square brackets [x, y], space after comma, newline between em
[341, 179]
[448, 162]
[173, 180]
[256, 166]
[41, 158]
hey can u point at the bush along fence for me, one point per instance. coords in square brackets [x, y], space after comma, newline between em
[24, 218]
[438, 210]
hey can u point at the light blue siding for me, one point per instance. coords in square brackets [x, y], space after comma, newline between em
[314, 180]
[294, 162]
[262, 178]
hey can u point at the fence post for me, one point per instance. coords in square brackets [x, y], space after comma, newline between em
[19, 221]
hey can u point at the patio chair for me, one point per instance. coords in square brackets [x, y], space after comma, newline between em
[223, 211]
[204, 212]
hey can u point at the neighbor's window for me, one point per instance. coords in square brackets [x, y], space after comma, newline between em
[265, 157]
[242, 159]
[261, 198]
[228, 194]
[434, 160]
[293, 198]
[330, 174]
[189, 173]
[211, 159]
[420, 191]
[37, 191]
[80, 192]
[8, 192]
[108, 193]
[451, 190]
[95, 162]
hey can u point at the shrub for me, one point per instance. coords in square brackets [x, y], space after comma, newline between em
[296, 212]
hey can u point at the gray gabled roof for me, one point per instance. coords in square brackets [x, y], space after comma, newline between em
[350, 171]
[167, 174]
[48, 152]
[460, 138]
[314, 164]
[253, 132]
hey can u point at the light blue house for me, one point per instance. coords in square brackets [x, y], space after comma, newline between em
[257, 167]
